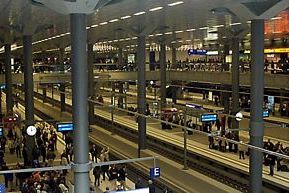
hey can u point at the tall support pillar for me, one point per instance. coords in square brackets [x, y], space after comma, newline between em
[235, 81]
[44, 93]
[62, 85]
[121, 94]
[79, 102]
[29, 95]
[90, 83]
[8, 79]
[163, 75]
[120, 57]
[174, 57]
[141, 92]
[257, 94]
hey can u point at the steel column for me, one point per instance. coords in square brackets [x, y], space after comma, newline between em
[62, 85]
[163, 74]
[79, 102]
[29, 94]
[174, 57]
[235, 82]
[90, 82]
[120, 58]
[8, 79]
[257, 95]
[141, 92]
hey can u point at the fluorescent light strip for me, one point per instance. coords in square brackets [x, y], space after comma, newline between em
[156, 9]
[94, 26]
[175, 3]
[113, 20]
[159, 34]
[188, 30]
[151, 35]
[139, 13]
[180, 31]
[103, 23]
[169, 33]
[217, 26]
[125, 17]
[232, 24]
[201, 28]
[275, 18]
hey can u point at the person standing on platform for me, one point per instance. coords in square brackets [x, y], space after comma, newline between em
[242, 150]
[96, 174]
[272, 161]
[113, 176]
[93, 151]
[122, 176]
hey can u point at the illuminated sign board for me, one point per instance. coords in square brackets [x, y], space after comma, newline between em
[208, 117]
[266, 113]
[1, 131]
[62, 127]
[197, 52]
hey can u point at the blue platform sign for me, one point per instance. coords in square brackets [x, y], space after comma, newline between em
[2, 188]
[208, 117]
[62, 127]
[266, 113]
[155, 172]
[197, 52]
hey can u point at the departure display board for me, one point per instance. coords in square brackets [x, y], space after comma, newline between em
[63, 127]
[208, 117]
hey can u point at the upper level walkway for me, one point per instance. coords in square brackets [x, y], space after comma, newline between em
[271, 80]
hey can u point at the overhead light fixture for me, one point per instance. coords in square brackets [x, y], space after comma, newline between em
[188, 30]
[168, 33]
[180, 31]
[115, 40]
[125, 17]
[232, 24]
[188, 40]
[139, 13]
[201, 28]
[217, 26]
[175, 3]
[103, 23]
[95, 25]
[127, 39]
[121, 40]
[134, 38]
[151, 35]
[113, 20]
[160, 34]
[248, 22]
[173, 42]
[156, 9]
[276, 18]
[87, 27]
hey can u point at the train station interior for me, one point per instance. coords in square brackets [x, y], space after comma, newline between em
[144, 96]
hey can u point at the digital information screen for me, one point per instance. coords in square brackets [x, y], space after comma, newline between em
[265, 113]
[61, 127]
[1, 131]
[143, 190]
[208, 117]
